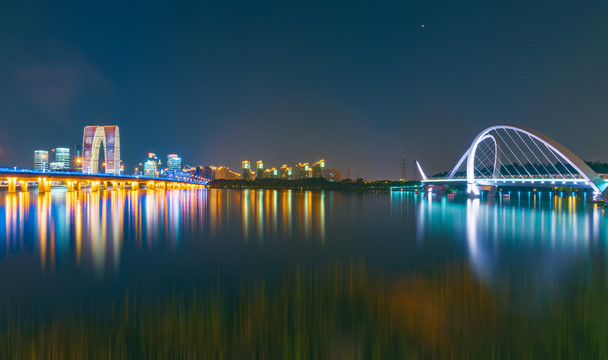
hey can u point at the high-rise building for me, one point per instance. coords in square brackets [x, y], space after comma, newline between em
[207, 172]
[259, 173]
[302, 171]
[223, 172]
[285, 172]
[246, 170]
[93, 138]
[41, 160]
[151, 165]
[318, 169]
[333, 175]
[271, 174]
[56, 165]
[150, 168]
[62, 156]
[174, 163]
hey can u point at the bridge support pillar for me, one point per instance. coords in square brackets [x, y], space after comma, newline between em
[150, 185]
[105, 185]
[78, 186]
[134, 185]
[44, 185]
[94, 186]
[12, 185]
[70, 186]
[121, 185]
[23, 185]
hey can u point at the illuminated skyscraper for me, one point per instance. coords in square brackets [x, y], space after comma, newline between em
[318, 169]
[151, 165]
[271, 174]
[62, 156]
[246, 170]
[174, 163]
[41, 160]
[285, 172]
[302, 171]
[259, 173]
[93, 138]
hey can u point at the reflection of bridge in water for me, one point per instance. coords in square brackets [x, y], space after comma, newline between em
[75, 181]
[515, 156]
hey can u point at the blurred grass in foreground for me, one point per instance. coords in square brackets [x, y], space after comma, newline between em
[339, 310]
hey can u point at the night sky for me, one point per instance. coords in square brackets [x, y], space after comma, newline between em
[360, 84]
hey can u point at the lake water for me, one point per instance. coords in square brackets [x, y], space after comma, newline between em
[301, 274]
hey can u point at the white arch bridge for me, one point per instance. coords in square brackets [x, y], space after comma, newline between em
[512, 155]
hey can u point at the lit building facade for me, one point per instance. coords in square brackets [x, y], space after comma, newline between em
[223, 172]
[41, 160]
[62, 156]
[207, 172]
[302, 171]
[174, 162]
[246, 170]
[271, 174]
[92, 139]
[151, 165]
[285, 172]
[259, 172]
[318, 169]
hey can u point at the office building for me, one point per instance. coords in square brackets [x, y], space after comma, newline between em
[41, 160]
[174, 162]
[151, 165]
[246, 170]
[62, 156]
[259, 172]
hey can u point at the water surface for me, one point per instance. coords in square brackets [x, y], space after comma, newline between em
[302, 274]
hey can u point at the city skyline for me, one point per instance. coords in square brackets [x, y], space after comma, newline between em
[366, 85]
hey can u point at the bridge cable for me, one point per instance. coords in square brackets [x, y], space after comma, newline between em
[514, 167]
[487, 157]
[546, 157]
[503, 165]
[566, 167]
[533, 153]
[522, 152]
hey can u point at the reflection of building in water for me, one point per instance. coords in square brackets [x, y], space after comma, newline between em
[495, 230]
[282, 214]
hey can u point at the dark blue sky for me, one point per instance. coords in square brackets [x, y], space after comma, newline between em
[361, 84]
